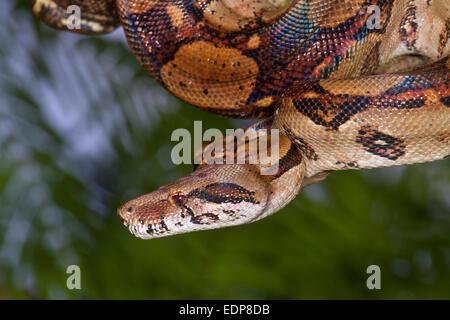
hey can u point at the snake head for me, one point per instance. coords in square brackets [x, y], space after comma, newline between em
[214, 196]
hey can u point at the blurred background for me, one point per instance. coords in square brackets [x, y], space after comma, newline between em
[83, 129]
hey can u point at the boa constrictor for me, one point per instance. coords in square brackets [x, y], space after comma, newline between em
[350, 84]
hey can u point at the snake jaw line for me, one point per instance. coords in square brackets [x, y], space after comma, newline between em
[226, 195]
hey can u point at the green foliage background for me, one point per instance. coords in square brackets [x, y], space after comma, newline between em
[83, 129]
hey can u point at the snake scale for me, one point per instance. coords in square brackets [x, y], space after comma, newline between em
[349, 84]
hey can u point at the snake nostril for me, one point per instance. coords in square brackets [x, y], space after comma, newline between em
[130, 209]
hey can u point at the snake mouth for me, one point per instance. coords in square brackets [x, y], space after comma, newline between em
[214, 196]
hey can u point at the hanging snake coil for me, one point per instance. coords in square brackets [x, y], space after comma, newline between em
[349, 84]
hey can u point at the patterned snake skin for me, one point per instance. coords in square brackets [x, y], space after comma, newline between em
[349, 85]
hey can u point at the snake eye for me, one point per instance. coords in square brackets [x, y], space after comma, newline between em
[178, 199]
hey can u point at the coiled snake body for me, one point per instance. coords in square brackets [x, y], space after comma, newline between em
[349, 84]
